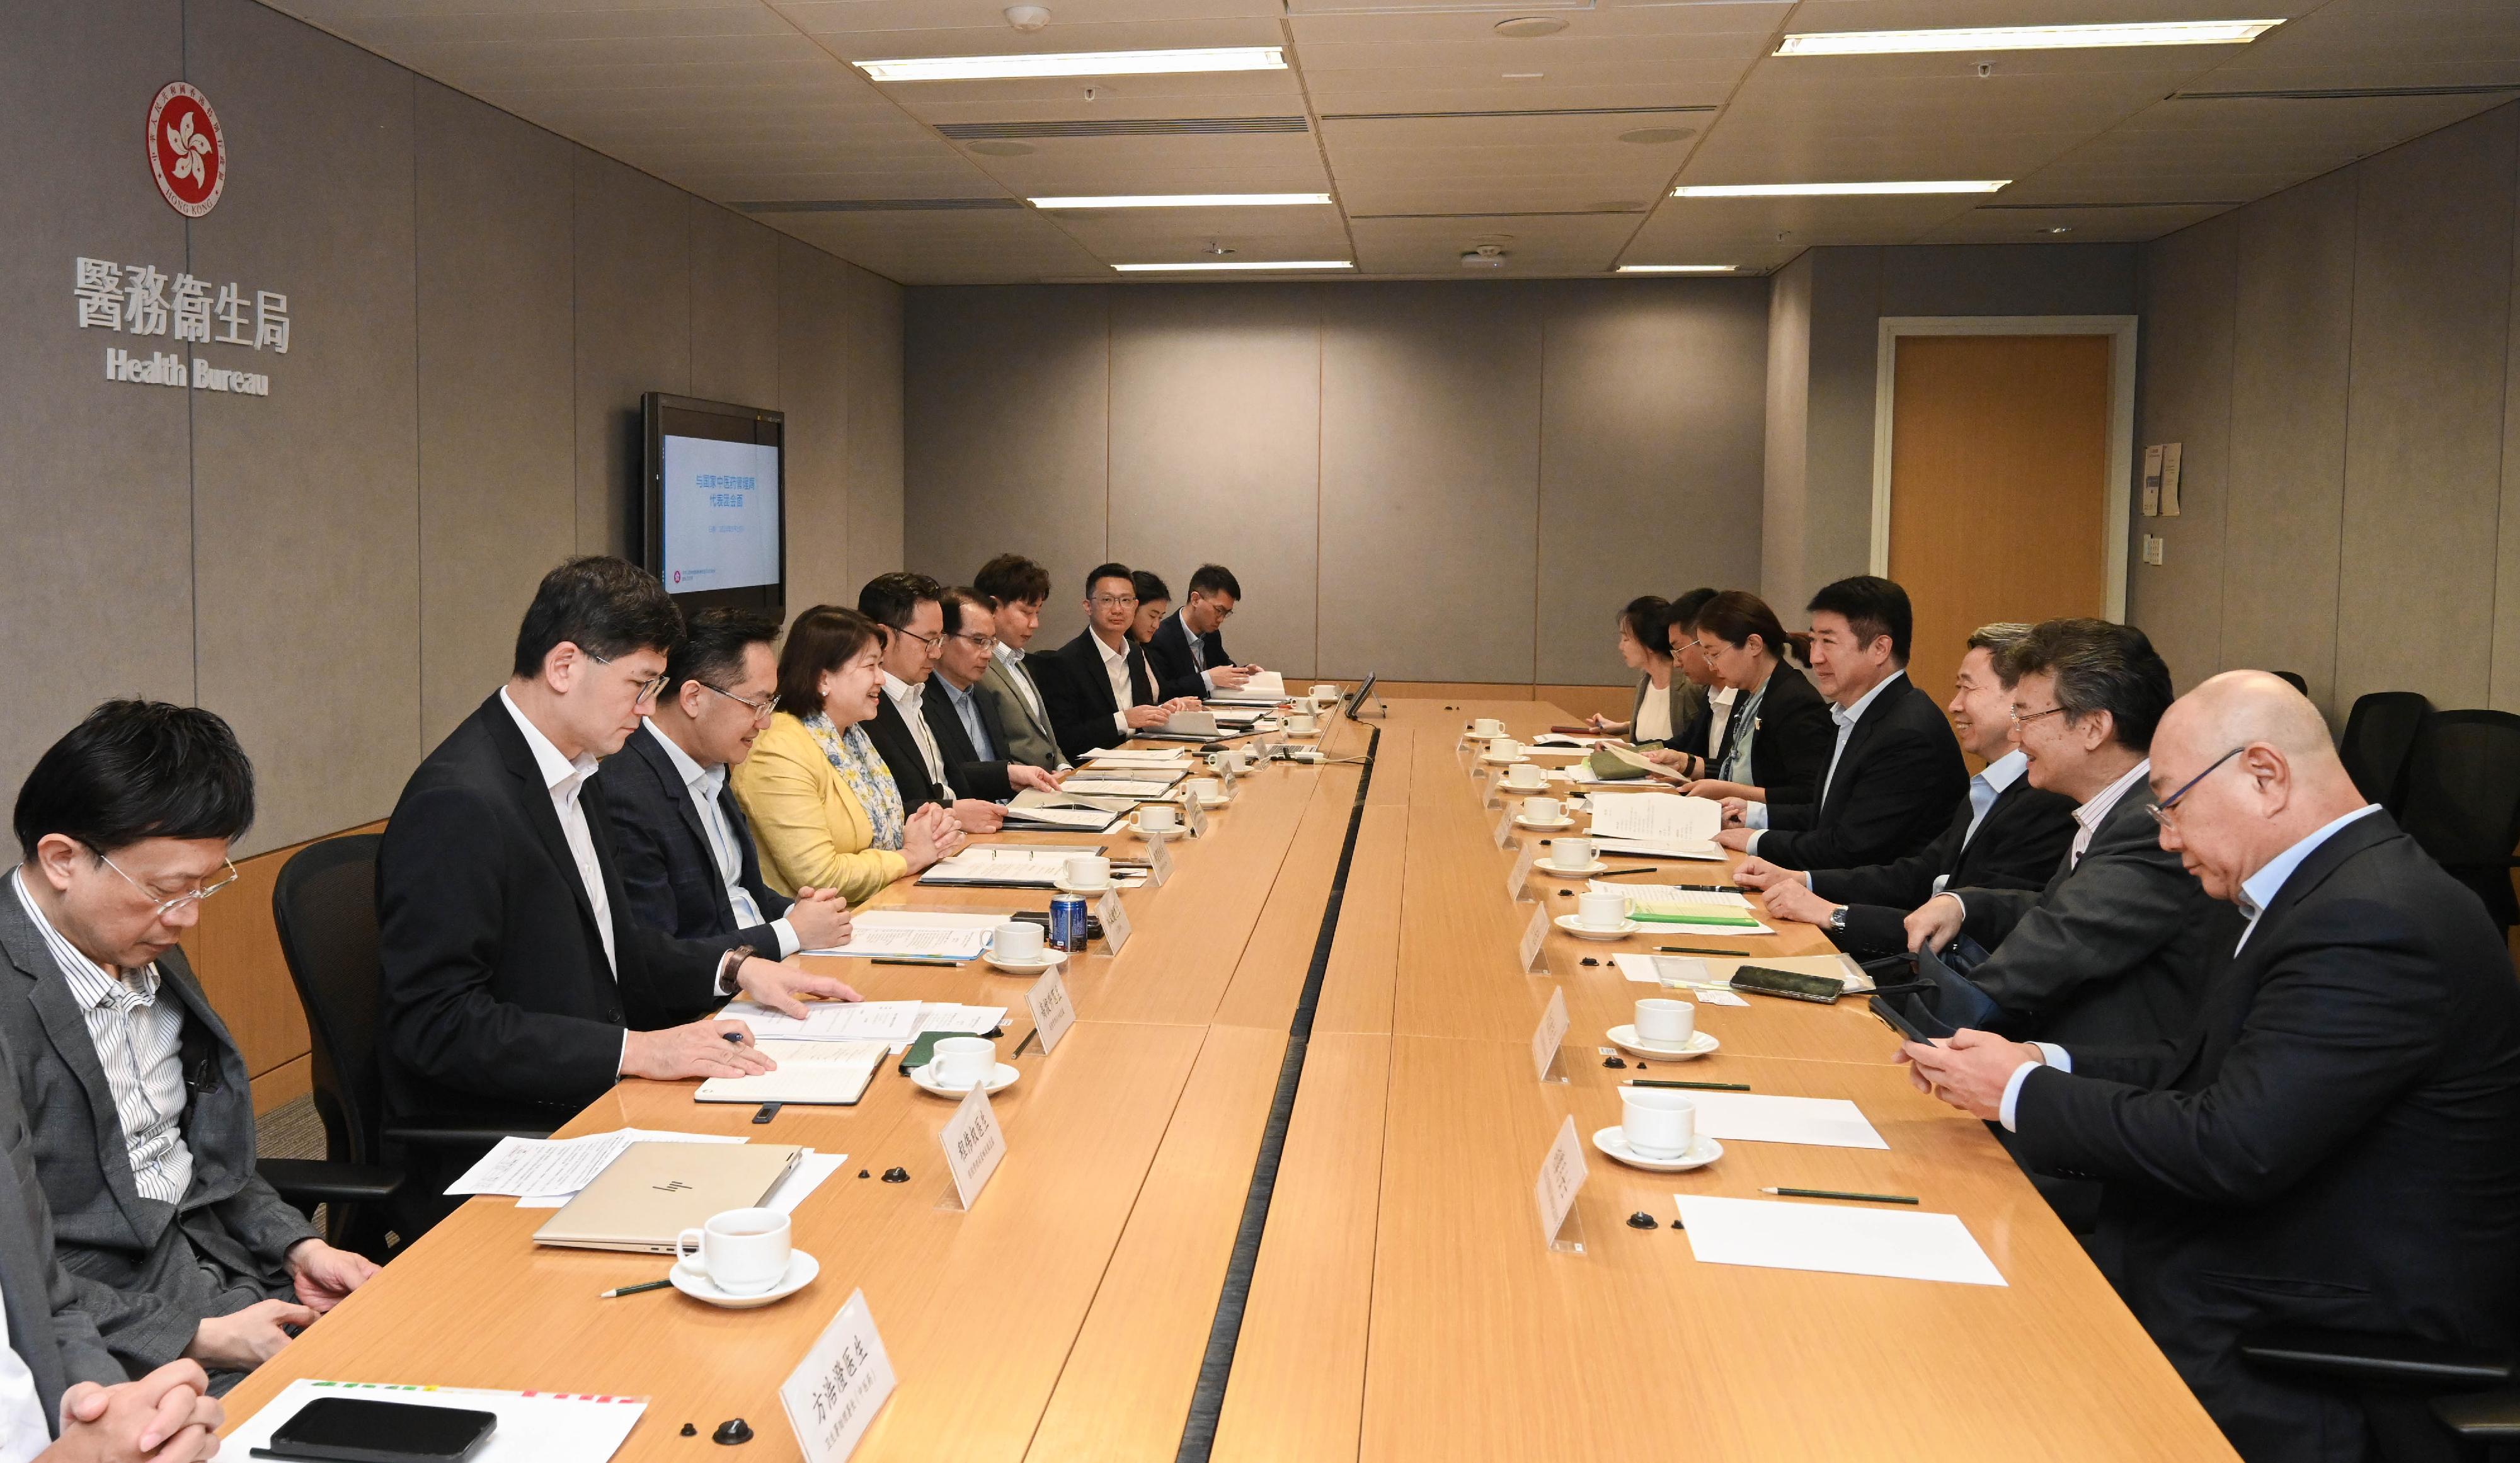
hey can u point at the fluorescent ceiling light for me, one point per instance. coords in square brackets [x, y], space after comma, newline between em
[1183, 201]
[1678, 268]
[2023, 37]
[1269, 264]
[1833, 190]
[1076, 64]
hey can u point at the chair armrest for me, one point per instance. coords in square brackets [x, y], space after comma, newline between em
[457, 1133]
[307, 1182]
[2401, 1361]
[2488, 1416]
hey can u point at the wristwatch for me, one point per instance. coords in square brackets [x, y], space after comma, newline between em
[1837, 920]
[728, 965]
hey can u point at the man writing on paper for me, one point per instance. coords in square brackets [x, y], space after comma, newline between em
[1895, 768]
[1100, 692]
[517, 987]
[143, 1107]
[1187, 650]
[2336, 1142]
[2005, 834]
[688, 864]
[1017, 588]
[912, 608]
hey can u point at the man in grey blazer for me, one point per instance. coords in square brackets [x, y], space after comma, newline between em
[1016, 588]
[141, 1107]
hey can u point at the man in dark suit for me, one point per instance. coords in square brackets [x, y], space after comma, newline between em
[2335, 1142]
[1099, 688]
[143, 1134]
[688, 864]
[910, 607]
[967, 723]
[1187, 652]
[516, 986]
[1017, 587]
[2117, 944]
[2004, 833]
[1895, 768]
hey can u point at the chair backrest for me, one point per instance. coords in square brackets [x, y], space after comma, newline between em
[2294, 679]
[2461, 788]
[325, 904]
[2379, 732]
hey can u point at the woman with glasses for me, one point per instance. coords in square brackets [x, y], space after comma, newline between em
[1778, 738]
[825, 809]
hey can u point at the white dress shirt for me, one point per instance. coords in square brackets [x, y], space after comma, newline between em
[2087, 818]
[1116, 665]
[1719, 715]
[139, 1041]
[1022, 678]
[24, 1431]
[705, 784]
[1985, 787]
[908, 700]
[1756, 816]
[567, 779]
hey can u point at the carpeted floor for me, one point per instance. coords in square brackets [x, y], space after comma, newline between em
[290, 1131]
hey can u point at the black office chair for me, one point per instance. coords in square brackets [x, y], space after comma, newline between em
[2461, 795]
[2378, 733]
[325, 904]
[2427, 1401]
[2294, 679]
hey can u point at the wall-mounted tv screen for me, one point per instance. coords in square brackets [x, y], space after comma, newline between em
[716, 502]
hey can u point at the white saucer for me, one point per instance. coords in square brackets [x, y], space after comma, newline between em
[999, 1081]
[1551, 826]
[694, 1282]
[1625, 1039]
[1221, 799]
[1614, 1142]
[1502, 762]
[1050, 959]
[1142, 831]
[1572, 926]
[1550, 866]
[1063, 887]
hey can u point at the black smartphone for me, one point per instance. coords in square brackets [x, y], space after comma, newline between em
[1889, 1012]
[357, 1430]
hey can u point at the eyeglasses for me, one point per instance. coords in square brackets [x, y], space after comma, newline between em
[648, 689]
[934, 643]
[2020, 721]
[981, 641]
[1115, 601]
[2162, 811]
[168, 907]
[761, 710]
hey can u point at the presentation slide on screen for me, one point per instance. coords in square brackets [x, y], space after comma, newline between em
[721, 514]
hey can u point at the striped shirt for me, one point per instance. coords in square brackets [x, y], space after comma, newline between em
[139, 1041]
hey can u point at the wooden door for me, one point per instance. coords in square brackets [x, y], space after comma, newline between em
[1999, 485]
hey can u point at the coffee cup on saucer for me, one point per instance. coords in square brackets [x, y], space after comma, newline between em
[960, 1061]
[1486, 728]
[1601, 911]
[1017, 943]
[1089, 871]
[1503, 748]
[744, 1252]
[1573, 850]
[1303, 723]
[1657, 1122]
[1207, 789]
[1158, 817]
[1541, 810]
[1324, 692]
[1665, 1022]
[1526, 775]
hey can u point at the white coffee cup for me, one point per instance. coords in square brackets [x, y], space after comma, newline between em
[1601, 911]
[1667, 1022]
[960, 1061]
[1303, 723]
[1526, 775]
[1486, 728]
[1206, 789]
[1324, 692]
[1503, 748]
[1541, 810]
[1158, 817]
[1658, 1122]
[1089, 871]
[1017, 943]
[744, 1252]
[1573, 850]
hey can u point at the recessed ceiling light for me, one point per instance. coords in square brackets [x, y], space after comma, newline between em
[1076, 64]
[1650, 135]
[1678, 268]
[2023, 37]
[1524, 75]
[1269, 264]
[1833, 190]
[1183, 201]
[1525, 27]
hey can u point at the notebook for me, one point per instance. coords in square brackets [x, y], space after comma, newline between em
[654, 1191]
[831, 1073]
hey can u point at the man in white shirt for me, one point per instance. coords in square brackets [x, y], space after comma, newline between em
[684, 850]
[1015, 589]
[1101, 691]
[1187, 651]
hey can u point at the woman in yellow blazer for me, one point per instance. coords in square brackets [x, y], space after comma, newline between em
[823, 809]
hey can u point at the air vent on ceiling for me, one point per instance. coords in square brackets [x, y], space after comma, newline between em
[2349, 93]
[1410, 116]
[1139, 126]
[878, 205]
[2158, 202]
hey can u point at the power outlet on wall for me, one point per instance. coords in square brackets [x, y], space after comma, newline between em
[2153, 544]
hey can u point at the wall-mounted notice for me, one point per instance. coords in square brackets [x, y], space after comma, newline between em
[2170, 480]
[2152, 456]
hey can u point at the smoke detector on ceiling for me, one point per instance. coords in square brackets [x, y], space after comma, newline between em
[1530, 27]
[1027, 17]
[1485, 256]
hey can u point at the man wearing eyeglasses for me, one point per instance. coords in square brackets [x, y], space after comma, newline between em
[140, 1106]
[688, 864]
[911, 609]
[1101, 691]
[1187, 652]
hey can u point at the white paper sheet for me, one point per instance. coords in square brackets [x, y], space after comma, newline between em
[809, 1071]
[1705, 850]
[803, 1179]
[1027, 865]
[945, 1016]
[929, 933]
[1174, 759]
[1667, 894]
[1660, 817]
[1750, 1118]
[1842, 1239]
[831, 1021]
[1269, 683]
[1646, 969]
[541, 1167]
[534, 1426]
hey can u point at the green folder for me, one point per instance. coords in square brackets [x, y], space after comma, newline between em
[1666, 915]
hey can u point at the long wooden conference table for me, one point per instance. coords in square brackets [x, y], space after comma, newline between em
[1403, 1303]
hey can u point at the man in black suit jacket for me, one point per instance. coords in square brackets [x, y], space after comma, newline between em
[2004, 833]
[968, 723]
[2335, 1142]
[1187, 652]
[912, 610]
[1894, 770]
[687, 858]
[1078, 678]
[516, 986]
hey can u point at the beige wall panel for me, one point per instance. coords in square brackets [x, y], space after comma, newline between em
[876, 429]
[735, 307]
[1216, 451]
[1837, 513]
[1430, 445]
[498, 498]
[634, 334]
[98, 498]
[814, 316]
[1652, 423]
[2292, 339]
[2185, 397]
[1784, 489]
[1005, 429]
[306, 502]
[2424, 468]
[2008, 278]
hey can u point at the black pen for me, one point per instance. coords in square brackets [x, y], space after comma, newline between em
[912, 960]
[1700, 950]
[737, 1037]
[1624, 873]
[632, 1289]
[1840, 1194]
[1710, 889]
[1648, 1082]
